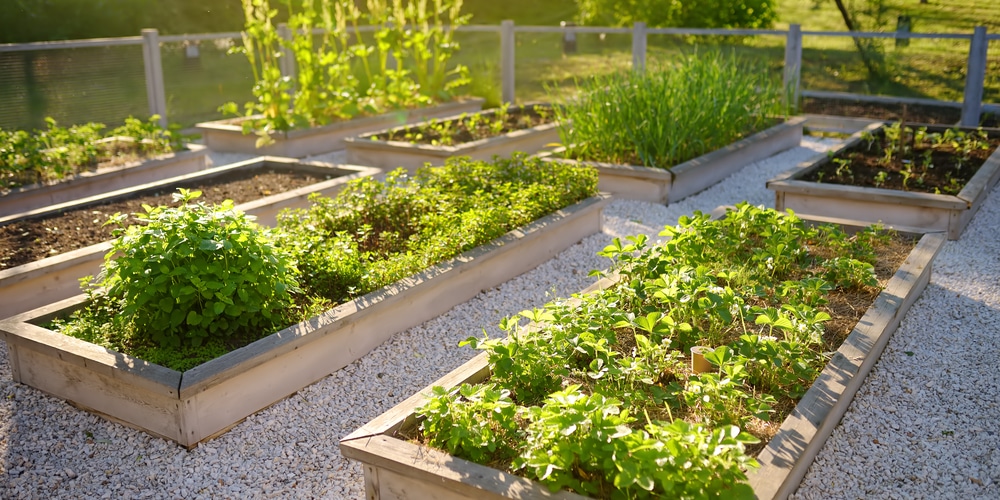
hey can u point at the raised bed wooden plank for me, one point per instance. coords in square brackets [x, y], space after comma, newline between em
[227, 135]
[837, 124]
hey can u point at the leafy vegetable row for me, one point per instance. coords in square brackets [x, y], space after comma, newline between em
[57, 152]
[669, 115]
[189, 283]
[596, 395]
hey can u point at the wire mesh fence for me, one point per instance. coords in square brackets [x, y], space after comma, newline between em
[108, 83]
[72, 85]
[199, 76]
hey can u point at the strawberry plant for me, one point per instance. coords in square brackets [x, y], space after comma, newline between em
[597, 398]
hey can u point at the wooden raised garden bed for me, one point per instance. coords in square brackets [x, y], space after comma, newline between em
[203, 402]
[905, 210]
[379, 149]
[227, 135]
[657, 185]
[397, 468]
[55, 278]
[103, 180]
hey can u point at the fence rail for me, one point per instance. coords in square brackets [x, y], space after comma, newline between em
[971, 104]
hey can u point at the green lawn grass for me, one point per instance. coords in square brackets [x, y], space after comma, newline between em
[927, 68]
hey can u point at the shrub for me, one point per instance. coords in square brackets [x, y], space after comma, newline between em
[195, 273]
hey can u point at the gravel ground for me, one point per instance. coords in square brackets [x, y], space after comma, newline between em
[926, 422]
[290, 450]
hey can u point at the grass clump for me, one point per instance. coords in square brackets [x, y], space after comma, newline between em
[670, 115]
[190, 283]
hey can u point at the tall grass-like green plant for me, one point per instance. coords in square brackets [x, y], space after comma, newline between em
[340, 73]
[670, 115]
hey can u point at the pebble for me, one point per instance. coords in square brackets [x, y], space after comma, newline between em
[290, 450]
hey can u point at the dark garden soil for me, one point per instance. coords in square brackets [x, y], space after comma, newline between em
[947, 171]
[30, 240]
[883, 111]
[472, 127]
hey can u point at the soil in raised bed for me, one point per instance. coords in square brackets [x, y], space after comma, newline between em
[917, 113]
[470, 128]
[867, 166]
[26, 241]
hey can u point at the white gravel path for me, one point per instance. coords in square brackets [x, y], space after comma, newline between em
[290, 450]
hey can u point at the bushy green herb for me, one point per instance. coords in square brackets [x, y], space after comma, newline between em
[404, 64]
[664, 117]
[605, 404]
[57, 152]
[374, 233]
[191, 278]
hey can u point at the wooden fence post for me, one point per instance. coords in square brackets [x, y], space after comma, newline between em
[975, 74]
[639, 47]
[507, 60]
[793, 65]
[155, 93]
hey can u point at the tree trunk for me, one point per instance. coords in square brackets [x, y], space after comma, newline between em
[863, 51]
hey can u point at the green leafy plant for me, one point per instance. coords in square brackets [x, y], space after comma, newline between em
[57, 152]
[195, 273]
[404, 64]
[906, 158]
[664, 117]
[470, 127]
[186, 284]
[603, 404]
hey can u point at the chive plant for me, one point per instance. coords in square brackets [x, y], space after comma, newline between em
[672, 114]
